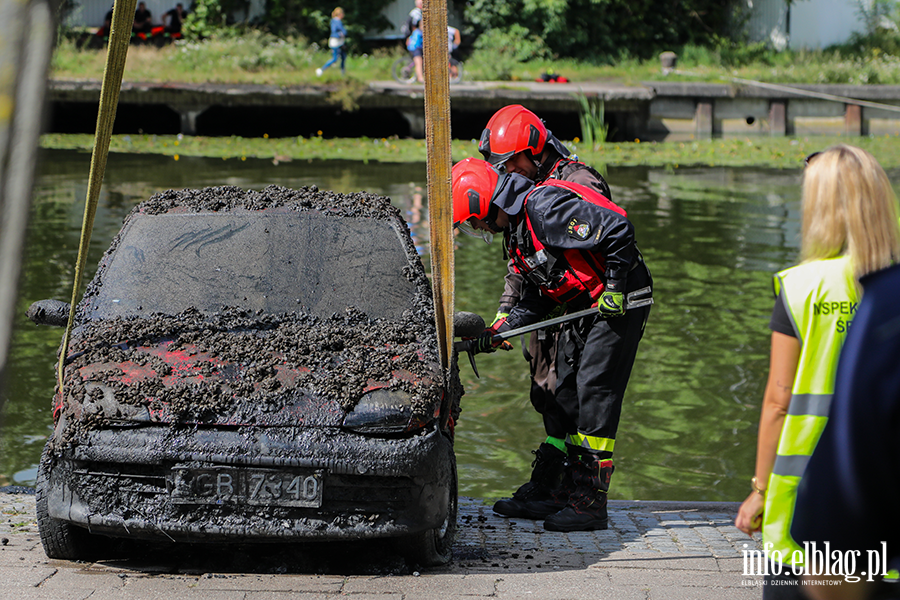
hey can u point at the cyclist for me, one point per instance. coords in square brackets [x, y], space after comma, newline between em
[415, 44]
[453, 40]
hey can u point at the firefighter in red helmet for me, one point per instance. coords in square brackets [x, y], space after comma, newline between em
[516, 140]
[573, 248]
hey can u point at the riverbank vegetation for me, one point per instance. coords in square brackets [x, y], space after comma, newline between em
[781, 153]
[505, 41]
[259, 57]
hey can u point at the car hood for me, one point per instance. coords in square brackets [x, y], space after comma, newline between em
[241, 370]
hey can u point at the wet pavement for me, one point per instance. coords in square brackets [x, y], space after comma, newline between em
[653, 550]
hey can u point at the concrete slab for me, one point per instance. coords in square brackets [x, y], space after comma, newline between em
[437, 586]
[67, 578]
[280, 583]
[26, 577]
[566, 585]
[652, 550]
[656, 560]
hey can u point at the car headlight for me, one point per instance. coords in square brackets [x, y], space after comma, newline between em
[381, 411]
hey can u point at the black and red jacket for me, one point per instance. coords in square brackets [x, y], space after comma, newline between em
[566, 242]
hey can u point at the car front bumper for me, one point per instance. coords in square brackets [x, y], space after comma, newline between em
[128, 482]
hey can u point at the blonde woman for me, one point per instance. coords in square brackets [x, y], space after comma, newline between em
[849, 229]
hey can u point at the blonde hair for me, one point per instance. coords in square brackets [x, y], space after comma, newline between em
[850, 208]
[337, 13]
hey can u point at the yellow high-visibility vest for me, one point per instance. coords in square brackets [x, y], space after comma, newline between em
[821, 300]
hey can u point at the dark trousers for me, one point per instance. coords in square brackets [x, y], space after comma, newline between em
[541, 356]
[594, 362]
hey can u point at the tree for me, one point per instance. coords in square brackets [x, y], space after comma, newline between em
[605, 29]
[312, 18]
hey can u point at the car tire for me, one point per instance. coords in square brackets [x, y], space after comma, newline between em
[60, 539]
[434, 547]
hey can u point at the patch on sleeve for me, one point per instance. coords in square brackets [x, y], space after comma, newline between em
[578, 229]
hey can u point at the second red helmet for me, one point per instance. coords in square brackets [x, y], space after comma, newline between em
[474, 183]
[512, 129]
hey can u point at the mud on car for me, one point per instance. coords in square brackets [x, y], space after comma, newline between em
[254, 366]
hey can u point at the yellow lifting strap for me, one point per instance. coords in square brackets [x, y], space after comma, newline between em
[119, 37]
[437, 138]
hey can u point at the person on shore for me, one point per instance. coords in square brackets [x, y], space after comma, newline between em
[517, 140]
[853, 463]
[454, 39]
[415, 45]
[413, 19]
[336, 41]
[143, 21]
[107, 23]
[574, 249]
[173, 19]
[849, 229]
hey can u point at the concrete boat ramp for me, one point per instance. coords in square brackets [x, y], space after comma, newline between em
[652, 551]
[665, 110]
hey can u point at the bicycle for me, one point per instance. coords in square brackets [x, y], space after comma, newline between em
[404, 70]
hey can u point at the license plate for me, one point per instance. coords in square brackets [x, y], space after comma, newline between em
[268, 487]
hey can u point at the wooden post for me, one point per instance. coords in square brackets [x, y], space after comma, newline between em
[853, 123]
[437, 144]
[778, 118]
[703, 120]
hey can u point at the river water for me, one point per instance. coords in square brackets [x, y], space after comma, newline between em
[711, 236]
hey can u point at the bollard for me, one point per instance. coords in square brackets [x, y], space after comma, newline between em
[668, 60]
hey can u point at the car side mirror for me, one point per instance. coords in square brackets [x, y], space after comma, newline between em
[49, 312]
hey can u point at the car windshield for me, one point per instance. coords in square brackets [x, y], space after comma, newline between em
[278, 262]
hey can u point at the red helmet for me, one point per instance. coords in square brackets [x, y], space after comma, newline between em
[512, 129]
[474, 183]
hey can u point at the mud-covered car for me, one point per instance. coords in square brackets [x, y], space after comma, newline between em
[253, 366]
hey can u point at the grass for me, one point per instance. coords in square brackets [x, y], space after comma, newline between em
[256, 57]
[782, 153]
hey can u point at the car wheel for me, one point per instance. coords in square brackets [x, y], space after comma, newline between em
[434, 547]
[59, 538]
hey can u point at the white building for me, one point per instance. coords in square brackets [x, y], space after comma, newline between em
[809, 24]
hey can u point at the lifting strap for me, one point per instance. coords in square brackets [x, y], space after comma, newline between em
[437, 139]
[119, 37]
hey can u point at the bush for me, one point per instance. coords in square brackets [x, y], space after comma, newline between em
[251, 52]
[499, 51]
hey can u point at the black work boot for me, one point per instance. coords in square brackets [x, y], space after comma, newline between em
[541, 506]
[586, 509]
[549, 466]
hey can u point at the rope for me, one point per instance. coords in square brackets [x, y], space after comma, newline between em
[437, 138]
[820, 95]
[119, 37]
